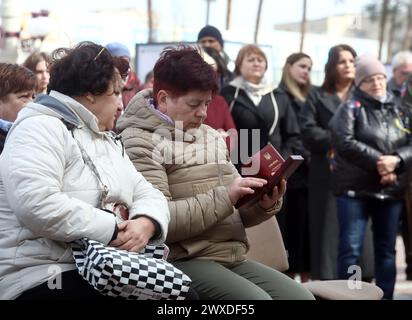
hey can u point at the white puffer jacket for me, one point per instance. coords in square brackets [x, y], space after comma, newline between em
[48, 195]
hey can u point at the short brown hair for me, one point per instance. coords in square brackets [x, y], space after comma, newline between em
[15, 78]
[247, 50]
[33, 59]
[182, 69]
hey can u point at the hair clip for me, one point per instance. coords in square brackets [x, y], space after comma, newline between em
[100, 52]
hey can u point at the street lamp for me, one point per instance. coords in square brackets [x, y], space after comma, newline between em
[208, 10]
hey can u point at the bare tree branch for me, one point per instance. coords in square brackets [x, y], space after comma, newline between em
[228, 14]
[407, 41]
[208, 10]
[150, 21]
[384, 16]
[258, 20]
[303, 26]
[392, 27]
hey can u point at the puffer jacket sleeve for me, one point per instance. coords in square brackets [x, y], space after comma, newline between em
[34, 162]
[315, 138]
[148, 201]
[342, 126]
[255, 214]
[189, 217]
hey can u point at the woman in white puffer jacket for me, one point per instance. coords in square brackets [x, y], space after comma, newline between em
[49, 193]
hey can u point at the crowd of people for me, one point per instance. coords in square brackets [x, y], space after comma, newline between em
[81, 134]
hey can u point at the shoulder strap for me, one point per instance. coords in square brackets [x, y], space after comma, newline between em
[70, 126]
[232, 104]
[275, 109]
[88, 161]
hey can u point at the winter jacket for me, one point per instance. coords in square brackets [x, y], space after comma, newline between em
[49, 196]
[272, 118]
[192, 169]
[314, 119]
[299, 179]
[364, 129]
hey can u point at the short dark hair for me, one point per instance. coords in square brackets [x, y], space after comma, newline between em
[88, 67]
[331, 74]
[182, 69]
[15, 78]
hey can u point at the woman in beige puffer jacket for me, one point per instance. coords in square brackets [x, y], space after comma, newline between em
[189, 162]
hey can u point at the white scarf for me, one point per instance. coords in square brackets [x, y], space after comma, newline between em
[254, 91]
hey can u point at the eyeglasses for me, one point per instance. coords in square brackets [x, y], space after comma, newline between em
[373, 79]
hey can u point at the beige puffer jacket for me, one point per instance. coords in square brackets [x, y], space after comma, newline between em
[203, 224]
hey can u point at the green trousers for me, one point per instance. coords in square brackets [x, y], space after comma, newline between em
[248, 280]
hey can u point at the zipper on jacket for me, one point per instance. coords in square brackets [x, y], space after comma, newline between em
[219, 169]
[233, 253]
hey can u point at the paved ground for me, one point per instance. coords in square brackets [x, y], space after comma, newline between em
[403, 288]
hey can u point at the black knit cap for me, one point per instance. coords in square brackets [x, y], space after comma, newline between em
[210, 31]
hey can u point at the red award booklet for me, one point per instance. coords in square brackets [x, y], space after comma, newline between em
[269, 165]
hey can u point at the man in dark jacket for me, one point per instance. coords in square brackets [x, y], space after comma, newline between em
[210, 36]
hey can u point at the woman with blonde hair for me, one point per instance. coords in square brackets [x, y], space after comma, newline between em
[296, 76]
[295, 84]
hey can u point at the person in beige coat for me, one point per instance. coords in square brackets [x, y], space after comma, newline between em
[189, 163]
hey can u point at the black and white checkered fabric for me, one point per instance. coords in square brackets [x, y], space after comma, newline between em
[135, 276]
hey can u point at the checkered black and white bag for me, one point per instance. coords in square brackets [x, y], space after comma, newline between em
[136, 276]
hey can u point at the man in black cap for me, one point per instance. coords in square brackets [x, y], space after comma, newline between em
[210, 36]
